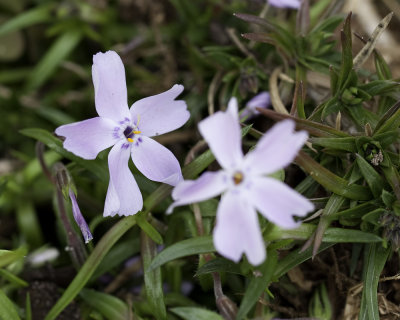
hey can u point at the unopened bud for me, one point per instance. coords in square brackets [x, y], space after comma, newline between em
[62, 179]
[79, 219]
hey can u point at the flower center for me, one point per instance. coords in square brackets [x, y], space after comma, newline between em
[130, 132]
[237, 177]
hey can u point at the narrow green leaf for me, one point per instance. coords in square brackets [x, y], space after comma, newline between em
[36, 15]
[355, 212]
[218, 265]
[109, 306]
[334, 80]
[149, 229]
[374, 260]
[374, 180]
[122, 251]
[94, 166]
[191, 313]
[152, 278]
[389, 121]
[295, 258]
[9, 256]
[258, 284]
[347, 56]
[334, 235]
[13, 278]
[183, 248]
[60, 49]
[331, 181]
[91, 264]
[7, 309]
[314, 128]
[343, 144]
[333, 205]
[382, 68]
[28, 308]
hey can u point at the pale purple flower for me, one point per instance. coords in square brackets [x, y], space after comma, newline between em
[294, 4]
[261, 100]
[129, 132]
[79, 219]
[244, 185]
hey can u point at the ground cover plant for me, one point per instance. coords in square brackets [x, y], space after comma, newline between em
[198, 160]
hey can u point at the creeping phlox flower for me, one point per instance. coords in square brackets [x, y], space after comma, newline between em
[294, 4]
[243, 184]
[129, 132]
[261, 100]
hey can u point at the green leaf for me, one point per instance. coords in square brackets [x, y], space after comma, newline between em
[335, 235]
[374, 260]
[314, 128]
[183, 248]
[382, 68]
[30, 17]
[347, 56]
[331, 181]
[28, 307]
[192, 313]
[13, 278]
[60, 49]
[355, 212]
[295, 258]
[91, 264]
[343, 144]
[7, 309]
[119, 253]
[374, 180]
[7, 256]
[389, 121]
[219, 265]
[152, 278]
[380, 87]
[94, 166]
[149, 229]
[109, 306]
[258, 284]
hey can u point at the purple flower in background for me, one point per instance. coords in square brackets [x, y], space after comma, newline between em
[79, 219]
[261, 100]
[244, 184]
[129, 132]
[294, 4]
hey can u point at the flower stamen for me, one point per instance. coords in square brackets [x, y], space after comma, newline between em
[237, 177]
[129, 133]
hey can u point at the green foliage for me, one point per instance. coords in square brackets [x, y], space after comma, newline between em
[165, 266]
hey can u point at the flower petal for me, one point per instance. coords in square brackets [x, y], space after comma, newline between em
[160, 113]
[79, 219]
[278, 202]
[294, 4]
[108, 74]
[261, 100]
[237, 230]
[87, 138]
[123, 195]
[209, 185]
[222, 133]
[276, 149]
[155, 161]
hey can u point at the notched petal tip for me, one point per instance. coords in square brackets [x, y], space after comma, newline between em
[177, 89]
